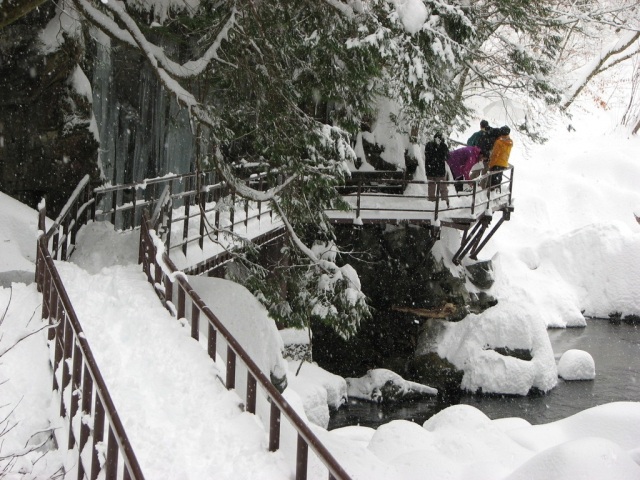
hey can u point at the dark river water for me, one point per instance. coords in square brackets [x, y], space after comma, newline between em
[615, 349]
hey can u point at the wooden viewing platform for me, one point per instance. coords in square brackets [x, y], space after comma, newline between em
[471, 210]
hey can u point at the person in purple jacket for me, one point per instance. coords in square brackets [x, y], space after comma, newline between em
[461, 161]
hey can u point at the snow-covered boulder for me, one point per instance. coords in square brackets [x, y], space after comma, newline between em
[576, 365]
[470, 345]
[319, 390]
[382, 386]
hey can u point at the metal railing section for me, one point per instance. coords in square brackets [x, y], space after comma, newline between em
[86, 406]
[186, 303]
[197, 199]
[478, 194]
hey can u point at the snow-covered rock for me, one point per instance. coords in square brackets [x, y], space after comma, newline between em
[319, 390]
[297, 343]
[469, 346]
[576, 365]
[380, 385]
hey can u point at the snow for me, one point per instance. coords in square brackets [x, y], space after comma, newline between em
[412, 14]
[18, 238]
[576, 365]
[571, 249]
[246, 319]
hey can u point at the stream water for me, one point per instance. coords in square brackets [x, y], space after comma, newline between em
[615, 349]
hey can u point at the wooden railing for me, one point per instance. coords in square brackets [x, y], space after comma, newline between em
[176, 292]
[85, 404]
[194, 198]
[477, 196]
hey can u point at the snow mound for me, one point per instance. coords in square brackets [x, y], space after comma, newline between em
[246, 319]
[17, 236]
[576, 365]
[99, 245]
[319, 390]
[583, 458]
[618, 422]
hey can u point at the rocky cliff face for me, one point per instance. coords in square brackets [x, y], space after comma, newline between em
[403, 280]
[46, 142]
[413, 294]
[72, 104]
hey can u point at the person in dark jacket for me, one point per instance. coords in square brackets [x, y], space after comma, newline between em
[435, 157]
[485, 143]
[475, 138]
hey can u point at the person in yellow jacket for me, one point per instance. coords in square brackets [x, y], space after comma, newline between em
[499, 158]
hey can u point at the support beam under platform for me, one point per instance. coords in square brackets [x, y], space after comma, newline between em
[472, 241]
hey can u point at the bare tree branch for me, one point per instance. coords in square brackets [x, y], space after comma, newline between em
[597, 65]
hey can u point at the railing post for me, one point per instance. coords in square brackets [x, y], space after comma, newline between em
[511, 186]
[57, 342]
[246, 215]
[67, 344]
[435, 213]
[274, 427]
[251, 393]
[54, 247]
[169, 218]
[230, 381]
[168, 289]
[202, 205]
[94, 205]
[232, 210]
[98, 436]
[181, 301]
[111, 462]
[473, 197]
[302, 454]
[85, 429]
[195, 322]
[76, 374]
[134, 194]
[76, 224]
[185, 228]
[65, 238]
[211, 342]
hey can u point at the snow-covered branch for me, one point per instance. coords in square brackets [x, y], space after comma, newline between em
[133, 36]
[22, 337]
[598, 64]
[343, 8]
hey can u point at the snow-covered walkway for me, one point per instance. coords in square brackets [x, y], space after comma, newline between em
[181, 421]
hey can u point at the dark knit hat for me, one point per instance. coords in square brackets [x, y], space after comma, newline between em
[505, 130]
[484, 124]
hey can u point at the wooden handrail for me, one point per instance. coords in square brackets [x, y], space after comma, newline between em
[359, 188]
[71, 346]
[160, 275]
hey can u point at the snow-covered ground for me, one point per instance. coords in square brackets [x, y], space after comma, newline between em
[572, 248]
